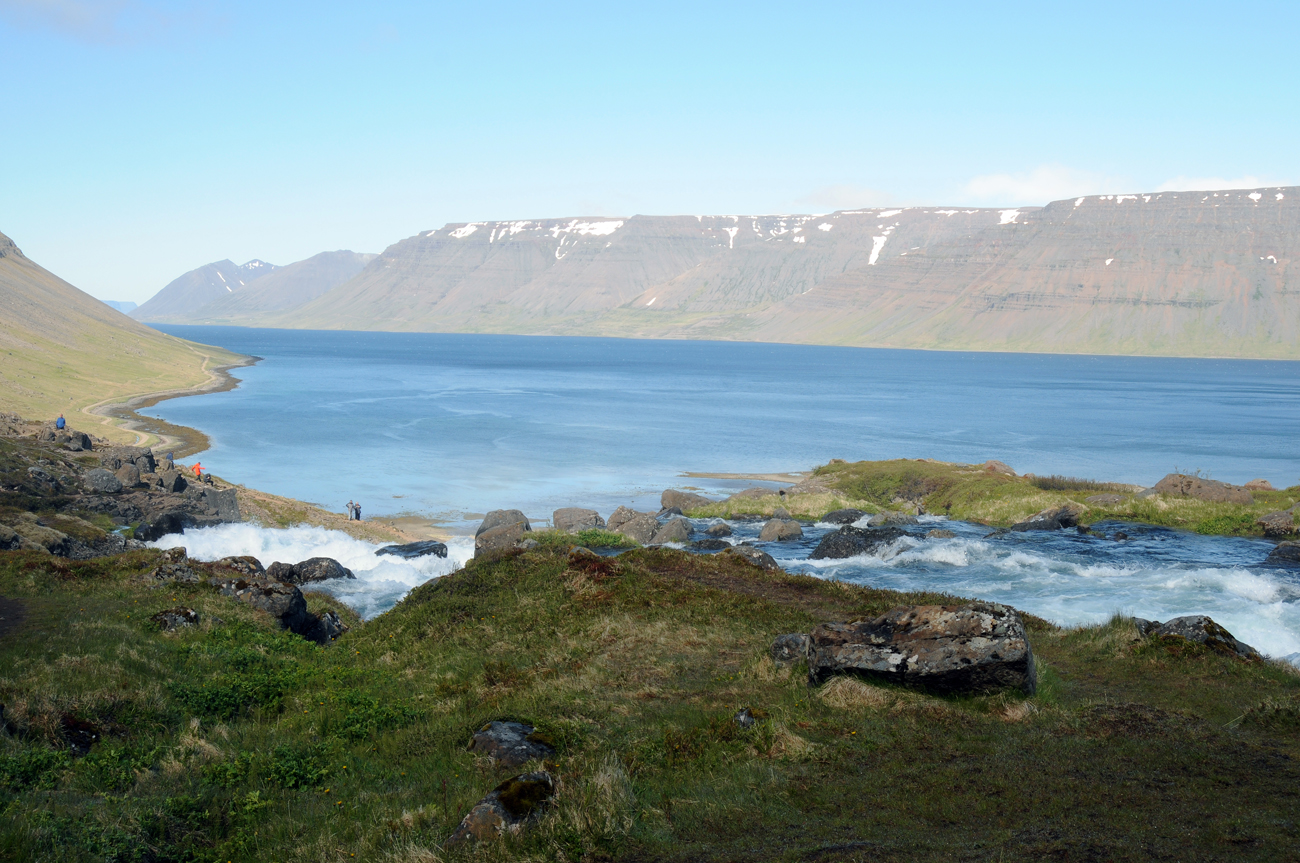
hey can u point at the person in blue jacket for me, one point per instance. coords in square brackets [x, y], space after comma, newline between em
[60, 423]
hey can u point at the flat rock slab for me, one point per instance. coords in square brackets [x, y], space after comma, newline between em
[948, 649]
[412, 550]
[511, 744]
[850, 541]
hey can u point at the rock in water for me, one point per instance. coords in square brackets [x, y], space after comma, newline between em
[885, 519]
[761, 559]
[103, 482]
[572, 519]
[511, 744]
[1202, 489]
[676, 530]
[1285, 554]
[682, 500]
[1203, 630]
[710, 545]
[939, 533]
[1055, 518]
[842, 516]
[850, 541]
[319, 569]
[416, 549]
[501, 529]
[640, 526]
[781, 530]
[718, 530]
[507, 808]
[949, 649]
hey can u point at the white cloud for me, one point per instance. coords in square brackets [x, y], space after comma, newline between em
[1214, 184]
[846, 197]
[1039, 186]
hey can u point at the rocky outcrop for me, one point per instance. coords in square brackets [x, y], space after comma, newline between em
[508, 808]
[675, 530]
[842, 516]
[572, 519]
[761, 559]
[781, 530]
[285, 603]
[994, 466]
[101, 481]
[683, 500]
[309, 571]
[511, 744]
[1200, 629]
[1202, 489]
[949, 649]
[501, 529]
[412, 550]
[243, 563]
[850, 541]
[1053, 518]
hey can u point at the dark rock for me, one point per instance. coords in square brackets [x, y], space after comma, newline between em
[501, 529]
[326, 629]
[79, 734]
[244, 563]
[1285, 554]
[1201, 629]
[939, 533]
[710, 545]
[850, 541]
[745, 718]
[893, 517]
[683, 500]
[508, 808]
[278, 571]
[950, 649]
[103, 482]
[1120, 536]
[781, 530]
[172, 481]
[163, 523]
[572, 519]
[717, 530]
[1146, 627]
[311, 570]
[225, 502]
[511, 744]
[282, 601]
[842, 516]
[668, 513]
[1054, 518]
[761, 559]
[128, 475]
[1202, 489]
[175, 618]
[9, 539]
[78, 441]
[1280, 523]
[413, 550]
[789, 649]
[676, 530]
[145, 462]
[1104, 499]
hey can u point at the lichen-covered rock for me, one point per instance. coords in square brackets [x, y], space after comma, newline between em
[128, 475]
[244, 563]
[1259, 485]
[957, 649]
[781, 530]
[175, 618]
[761, 559]
[500, 530]
[412, 550]
[572, 519]
[850, 541]
[676, 530]
[284, 602]
[682, 500]
[1200, 629]
[1202, 489]
[1281, 523]
[101, 481]
[511, 744]
[790, 648]
[509, 807]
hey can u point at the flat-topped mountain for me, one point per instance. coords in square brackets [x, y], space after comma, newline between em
[1160, 273]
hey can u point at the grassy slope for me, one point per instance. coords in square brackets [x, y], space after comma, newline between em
[65, 352]
[237, 742]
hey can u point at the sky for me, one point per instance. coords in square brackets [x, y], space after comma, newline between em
[140, 139]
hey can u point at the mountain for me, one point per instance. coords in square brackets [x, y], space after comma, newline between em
[286, 287]
[123, 306]
[197, 288]
[64, 351]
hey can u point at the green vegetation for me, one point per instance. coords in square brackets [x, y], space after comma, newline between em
[589, 538]
[234, 741]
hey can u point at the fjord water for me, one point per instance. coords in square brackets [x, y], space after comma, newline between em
[453, 425]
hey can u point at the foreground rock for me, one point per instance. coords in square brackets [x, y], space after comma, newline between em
[761, 559]
[850, 541]
[1202, 489]
[1055, 518]
[675, 530]
[572, 519]
[412, 550]
[285, 603]
[718, 530]
[508, 808]
[1285, 554]
[683, 500]
[1200, 629]
[948, 649]
[640, 526]
[511, 744]
[501, 529]
[311, 570]
[781, 530]
[1280, 523]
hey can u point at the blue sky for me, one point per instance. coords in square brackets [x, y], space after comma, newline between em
[142, 138]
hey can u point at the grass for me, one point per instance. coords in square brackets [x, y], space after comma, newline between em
[589, 538]
[801, 506]
[235, 741]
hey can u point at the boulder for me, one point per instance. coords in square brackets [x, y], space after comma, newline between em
[114, 458]
[42, 537]
[884, 519]
[1279, 523]
[781, 530]
[327, 628]
[939, 533]
[77, 441]
[145, 462]
[1259, 485]
[309, 571]
[572, 519]
[669, 512]
[676, 530]
[1285, 554]
[172, 481]
[994, 466]
[9, 538]
[244, 563]
[501, 529]
[683, 500]
[761, 559]
[850, 541]
[162, 523]
[718, 530]
[1053, 518]
[1108, 499]
[224, 502]
[283, 602]
[511, 744]
[641, 526]
[412, 550]
[101, 481]
[789, 649]
[781, 512]
[1202, 489]
[949, 649]
[710, 545]
[842, 516]
[1201, 629]
[128, 475]
[622, 516]
[508, 808]
[1146, 627]
[175, 618]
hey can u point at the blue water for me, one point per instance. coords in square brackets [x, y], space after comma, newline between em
[450, 426]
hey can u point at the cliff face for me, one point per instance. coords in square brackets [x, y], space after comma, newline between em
[1163, 273]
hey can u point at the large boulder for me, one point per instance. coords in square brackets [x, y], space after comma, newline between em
[639, 526]
[572, 519]
[842, 516]
[501, 529]
[244, 563]
[1202, 489]
[224, 502]
[511, 744]
[675, 530]
[508, 808]
[995, 466]
[720, 529]
[948, 649]
[172, 481]
[309, 571]
[761, 559]
[412, 550]
[781, 530]
[1285, 554]
[850, 541]
[1259, 485]
[1200, 629]
[160, 524]
[1053, 518]
[622, 516]
[128, 475]
[1281, 523]
[682, 500]
[284, 602]
[102, 482]
[39, 536]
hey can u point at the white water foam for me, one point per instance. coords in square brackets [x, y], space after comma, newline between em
[381, 580]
